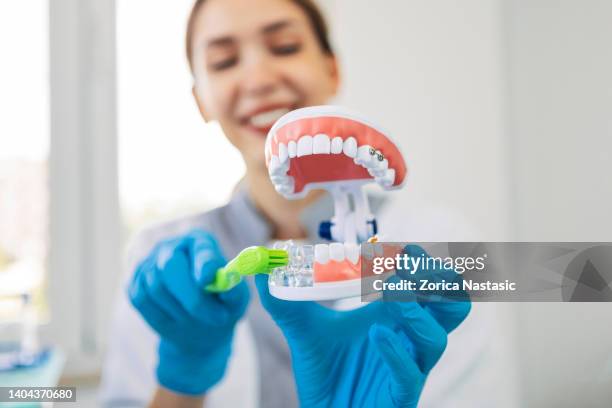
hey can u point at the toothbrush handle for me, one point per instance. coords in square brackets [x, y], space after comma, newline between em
[225, 279]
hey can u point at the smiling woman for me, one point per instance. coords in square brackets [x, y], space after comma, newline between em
[251, 61]
[252, 68]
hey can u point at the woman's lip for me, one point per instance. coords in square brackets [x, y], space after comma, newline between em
[266, 108]
[262, 131]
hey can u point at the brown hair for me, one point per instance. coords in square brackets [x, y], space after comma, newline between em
[319, 25]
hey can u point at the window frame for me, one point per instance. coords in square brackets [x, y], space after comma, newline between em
[84, 216]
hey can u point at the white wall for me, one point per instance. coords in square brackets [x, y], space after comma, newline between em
[560, 131]
[560, 117]
[431, 73]
[504, 111]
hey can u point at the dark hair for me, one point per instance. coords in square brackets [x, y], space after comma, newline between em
[317, 21]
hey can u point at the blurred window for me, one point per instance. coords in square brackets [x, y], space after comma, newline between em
[169, 159]
[24, 149]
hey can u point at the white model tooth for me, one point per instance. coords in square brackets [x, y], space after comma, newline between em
[371, 162]
[278, 180]
[283, 154]
[282, 189]
[376, 173]
[286, 187]
[321, 253]
[304, 146]
[363, 156]
[336, 145]
[350, 147]
[352, 252]
[292, 149]
[378, 168]
[274, 167]
[388, 179]
[320, 144]
[382, 165]
[379, 173]
[336, 251]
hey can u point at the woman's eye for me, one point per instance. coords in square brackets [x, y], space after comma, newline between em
[287, 49]
[223, 64]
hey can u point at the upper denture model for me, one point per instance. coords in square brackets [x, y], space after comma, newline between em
[332, 148]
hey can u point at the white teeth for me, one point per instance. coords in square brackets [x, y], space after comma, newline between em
[388, 179]
[304, 146]
[336, 251]
[267, 118]
[282, 189]
[286, 187]
[321, 144]
[379, 173]
[292, 149]
[275, 168]
[378, 168]
[284, 179]
[350, 147]
[363, 156]
[283, 154]
[336, 145]
[278, 180]
[351, 252]
[321, 253]
[273, 162]
[374, 173]
[382, 165]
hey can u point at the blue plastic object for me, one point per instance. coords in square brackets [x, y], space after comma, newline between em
[326, 226]
[13, 357]
[373, 226]
[325, 230]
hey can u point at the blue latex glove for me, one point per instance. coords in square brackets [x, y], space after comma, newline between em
[195, 327]
[375, 356]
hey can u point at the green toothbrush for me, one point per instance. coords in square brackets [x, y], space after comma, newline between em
[250, 261]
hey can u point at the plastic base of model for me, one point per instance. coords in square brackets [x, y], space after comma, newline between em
[320, 291]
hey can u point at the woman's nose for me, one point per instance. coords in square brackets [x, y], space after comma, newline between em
[260, 77]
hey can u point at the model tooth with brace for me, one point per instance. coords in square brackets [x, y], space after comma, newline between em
[331, 148]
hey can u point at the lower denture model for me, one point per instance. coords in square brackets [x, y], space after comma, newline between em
[331, 148]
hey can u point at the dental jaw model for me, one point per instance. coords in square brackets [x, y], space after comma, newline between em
[331, 148]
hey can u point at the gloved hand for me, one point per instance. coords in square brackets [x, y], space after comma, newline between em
[377, 355]
[195, 327]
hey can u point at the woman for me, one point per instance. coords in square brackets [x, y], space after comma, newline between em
[253, 61]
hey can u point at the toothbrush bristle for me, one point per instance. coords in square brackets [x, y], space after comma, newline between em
[277, 257]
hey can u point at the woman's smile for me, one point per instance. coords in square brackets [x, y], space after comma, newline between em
[260, 120]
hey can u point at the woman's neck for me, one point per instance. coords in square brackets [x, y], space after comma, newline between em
[283, 214]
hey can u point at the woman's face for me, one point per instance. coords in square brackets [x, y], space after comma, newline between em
[255, 60]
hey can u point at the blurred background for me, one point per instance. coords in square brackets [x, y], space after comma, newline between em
[503, 109]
